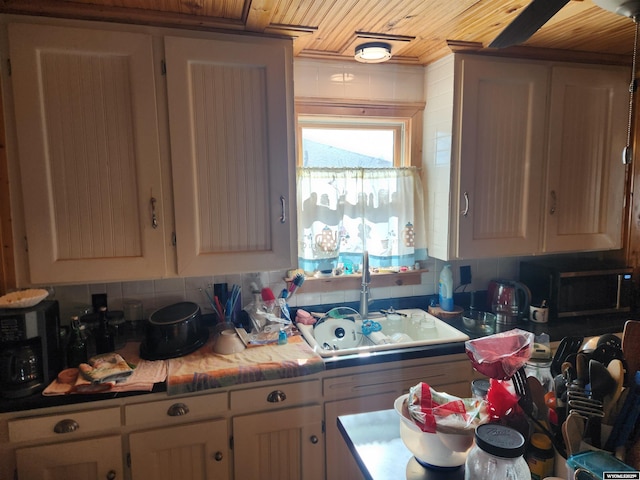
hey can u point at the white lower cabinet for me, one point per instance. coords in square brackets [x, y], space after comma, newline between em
[74, 445]
[377, 390]
[91, 459]
[184, 438]
[279, 445]
[197, 451]
[281, 436]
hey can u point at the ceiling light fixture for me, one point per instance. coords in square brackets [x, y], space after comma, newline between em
[373, 52]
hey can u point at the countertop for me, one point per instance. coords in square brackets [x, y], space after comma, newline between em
[374, 440]
[557, 330]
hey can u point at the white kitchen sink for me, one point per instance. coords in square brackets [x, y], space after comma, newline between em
[395, 334]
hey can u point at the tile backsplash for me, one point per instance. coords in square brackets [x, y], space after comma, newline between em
[153, 294]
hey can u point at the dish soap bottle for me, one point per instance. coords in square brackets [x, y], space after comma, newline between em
[445, 289]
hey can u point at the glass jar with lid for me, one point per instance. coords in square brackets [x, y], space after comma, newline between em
[541, 369]
[497, 454]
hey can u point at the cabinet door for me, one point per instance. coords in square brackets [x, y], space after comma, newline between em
[585, 177]
[502, 109]
[93, 459]
[197, 451]
[340, 462]
[88, 151]
[230, 109]
[279, 445]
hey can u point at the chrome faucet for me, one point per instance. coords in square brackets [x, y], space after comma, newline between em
[364, 289]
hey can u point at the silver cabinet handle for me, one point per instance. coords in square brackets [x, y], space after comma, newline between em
[276, 396]
[313, 439]
[177, 410]
[154, 217]
[66, 426]
[218, 456]
[283, 209]
[552, 210]
[111, 475]
[466, 204]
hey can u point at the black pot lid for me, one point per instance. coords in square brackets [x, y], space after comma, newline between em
[176, 313]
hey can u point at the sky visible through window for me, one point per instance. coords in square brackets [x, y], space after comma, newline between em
[366, 148]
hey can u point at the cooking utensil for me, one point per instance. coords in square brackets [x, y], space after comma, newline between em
[616, 370]
[173, 331]
[631, 348]
[602, 383]
[582, 369]
[627, 417]
[537, 396]
[568, 345]
[606, 352]
[525, 400]
[609, 339]
[573, 432]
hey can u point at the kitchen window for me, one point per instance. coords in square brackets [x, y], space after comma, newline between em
[357, 187]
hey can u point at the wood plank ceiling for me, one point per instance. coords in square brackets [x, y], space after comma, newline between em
[420, 31]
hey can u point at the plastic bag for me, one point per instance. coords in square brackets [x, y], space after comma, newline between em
[437, 411]
[503, 407]
[501, 398]
[500, 355]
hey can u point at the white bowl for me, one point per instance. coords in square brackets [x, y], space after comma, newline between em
[228, 342]
[432, 449]
[23, 298]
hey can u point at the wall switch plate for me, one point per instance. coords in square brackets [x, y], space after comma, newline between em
[465, 275]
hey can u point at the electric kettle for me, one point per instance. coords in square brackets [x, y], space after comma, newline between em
[509, 301]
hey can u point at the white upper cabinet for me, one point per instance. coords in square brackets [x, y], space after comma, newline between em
[230, 116]
[87, 132]
[501, 150]
[585, 174]
[523, 157]
[91, 121]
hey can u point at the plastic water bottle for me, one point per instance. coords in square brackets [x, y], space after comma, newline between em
[445, 289]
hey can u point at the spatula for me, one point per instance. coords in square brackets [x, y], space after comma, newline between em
[616, 370]
[573, 432]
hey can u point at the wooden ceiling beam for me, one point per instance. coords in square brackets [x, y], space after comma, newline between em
[259, 14]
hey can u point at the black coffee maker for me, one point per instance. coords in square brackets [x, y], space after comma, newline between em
[30, 356]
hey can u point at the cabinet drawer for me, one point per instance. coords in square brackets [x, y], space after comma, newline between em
[276, 396]
[436, 375]
[41, 428]
[175, 411]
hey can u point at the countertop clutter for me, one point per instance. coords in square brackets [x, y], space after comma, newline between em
[594, 425]
[203, 369]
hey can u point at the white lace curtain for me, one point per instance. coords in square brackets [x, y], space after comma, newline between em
[345, 211]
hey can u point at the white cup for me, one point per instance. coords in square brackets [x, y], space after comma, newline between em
[426, 326]
[538, 314]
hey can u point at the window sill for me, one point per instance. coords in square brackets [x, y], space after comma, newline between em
[353, 282]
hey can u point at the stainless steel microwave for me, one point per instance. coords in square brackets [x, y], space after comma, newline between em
[579, 287]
